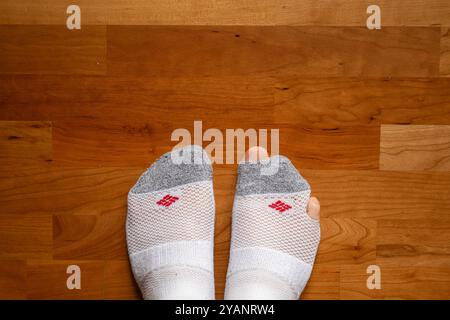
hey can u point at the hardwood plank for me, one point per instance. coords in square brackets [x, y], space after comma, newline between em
[89, 237]
[413, 147]
[322, 103]
[41, 190]
[280, 12]
[247, 50]
[25, 236]
[254, 101]
[47, 280]
[228, 12]
[380, 194]
[119, 282]
[139, 100]
[396, 283]
[337, 103]
[120, 143]
[338, 148]
[25, 142]
[224, 186]
[13, 279]
[30, 49]
[323, 284]
[346, 241]
[135, 95]
[125, 143]
[51, 12]
[444, 70]
[414, 242]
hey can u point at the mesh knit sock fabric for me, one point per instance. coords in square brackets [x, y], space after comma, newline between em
[274, 241]
[170, 228]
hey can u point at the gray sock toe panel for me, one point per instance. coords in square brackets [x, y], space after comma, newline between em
[164, 174]
[286, 179]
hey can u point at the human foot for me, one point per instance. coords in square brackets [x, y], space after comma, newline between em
[275, 232]
[170, 228]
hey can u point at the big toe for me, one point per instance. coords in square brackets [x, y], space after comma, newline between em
[314, 208]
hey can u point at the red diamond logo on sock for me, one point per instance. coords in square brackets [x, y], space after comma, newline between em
[167, 200]
[280, 206]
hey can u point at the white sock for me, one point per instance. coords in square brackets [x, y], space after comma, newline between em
[170, 228]
[274, 241]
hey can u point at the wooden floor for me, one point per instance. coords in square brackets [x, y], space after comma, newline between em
[364, 115]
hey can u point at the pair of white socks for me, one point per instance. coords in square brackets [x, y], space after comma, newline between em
[170, 230]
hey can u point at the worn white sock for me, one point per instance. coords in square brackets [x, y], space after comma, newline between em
[170, 228]
[274, 241]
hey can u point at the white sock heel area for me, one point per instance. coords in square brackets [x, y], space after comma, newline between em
[265, 270]
[178, 283]
[173, 270]
[187, 253]
[257, 285]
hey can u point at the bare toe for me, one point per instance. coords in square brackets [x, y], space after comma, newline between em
[255, 154]
[314, 208]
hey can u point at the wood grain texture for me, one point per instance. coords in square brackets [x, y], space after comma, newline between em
[217, 101]
[346, 241]
[47, 280]
[27, 49]
[415, 242]
[89, 237]
[444, 69]
[230, 102]
[25, 236]
[122, 143]
[422, 148]
[13, 279]
[228, 12]
[380, 194]
[224, 182]
[337, 148]
[40, 190]
[52, 12]
[337, 103]
[304, 51]
[84, 112]
[25, 142]
[324, 284]
[119, 281]
[397, 283]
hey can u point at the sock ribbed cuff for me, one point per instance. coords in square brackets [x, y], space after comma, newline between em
[162, 271]
[287, 268]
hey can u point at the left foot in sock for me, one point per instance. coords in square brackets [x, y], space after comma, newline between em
[170, 228]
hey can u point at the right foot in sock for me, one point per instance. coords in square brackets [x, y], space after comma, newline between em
[275, 232]
[170, 229]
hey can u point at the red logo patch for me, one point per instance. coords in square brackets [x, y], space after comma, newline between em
[167, 200]
[280, 206]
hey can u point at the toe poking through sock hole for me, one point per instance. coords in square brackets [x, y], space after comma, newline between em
[256, 154]
[314, 208]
